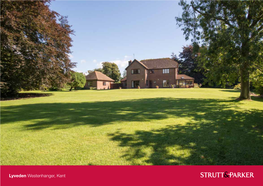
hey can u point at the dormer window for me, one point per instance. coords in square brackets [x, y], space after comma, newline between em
[135, 71]
[166, 71]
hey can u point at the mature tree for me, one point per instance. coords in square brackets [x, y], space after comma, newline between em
[257, 81]
[77, 80]
[231, 34]
[111, 70]
[188, 64]
[35, 43]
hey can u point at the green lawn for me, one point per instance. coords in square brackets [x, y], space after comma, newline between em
[133, 127]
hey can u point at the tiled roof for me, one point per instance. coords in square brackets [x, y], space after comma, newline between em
[156, 63]
[96, 75]
[124, 79]
[159, 63]
[183, 76]
[141, 63]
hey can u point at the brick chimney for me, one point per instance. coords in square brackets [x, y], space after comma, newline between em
[130, 62]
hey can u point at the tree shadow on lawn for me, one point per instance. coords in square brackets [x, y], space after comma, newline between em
[224, 137]
[257, 98]
[26, 96]
[216, 132]
[67, 115]
[230, 90]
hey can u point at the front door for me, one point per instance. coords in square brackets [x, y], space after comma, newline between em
[150, 83]
[135, 84]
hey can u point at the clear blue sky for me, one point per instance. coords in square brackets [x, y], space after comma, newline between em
[115, 30]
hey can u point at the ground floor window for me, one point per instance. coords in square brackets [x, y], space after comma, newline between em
[89, 83]
[104, 83]
[190, 83]
[124, 84]
[182, 83]
[165, 83]
[135, 84]
[185, 83]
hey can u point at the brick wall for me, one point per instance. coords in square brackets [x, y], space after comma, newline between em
[92, 84]
[158, 76]
[101, 86]
[97, 84]
[136, 77]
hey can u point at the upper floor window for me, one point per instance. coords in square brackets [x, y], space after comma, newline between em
[165, 71]
[135, 71]
[151, 71]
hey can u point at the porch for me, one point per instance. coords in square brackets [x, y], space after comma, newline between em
[184, 83]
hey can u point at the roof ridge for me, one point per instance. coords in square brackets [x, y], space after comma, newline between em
[156, 58]
[99, 76]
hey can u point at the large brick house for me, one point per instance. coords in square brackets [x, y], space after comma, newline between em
[98, 80]
[150, 73]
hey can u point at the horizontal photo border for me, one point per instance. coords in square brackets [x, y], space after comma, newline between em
[131, 175]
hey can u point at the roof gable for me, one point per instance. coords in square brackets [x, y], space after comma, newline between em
[96, 75]
[136, 61]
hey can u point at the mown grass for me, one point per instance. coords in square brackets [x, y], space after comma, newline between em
[133, 127]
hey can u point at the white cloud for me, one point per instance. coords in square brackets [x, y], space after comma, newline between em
[99, 65]
[74, 69]
[122, 63]
[70, 56]
[83, 61]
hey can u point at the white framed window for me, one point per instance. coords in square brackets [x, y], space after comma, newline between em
[166, 71]
[135, 71]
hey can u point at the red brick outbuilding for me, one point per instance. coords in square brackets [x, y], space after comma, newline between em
[98, 80]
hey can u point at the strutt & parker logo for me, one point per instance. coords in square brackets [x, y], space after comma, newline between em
[226, 174]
